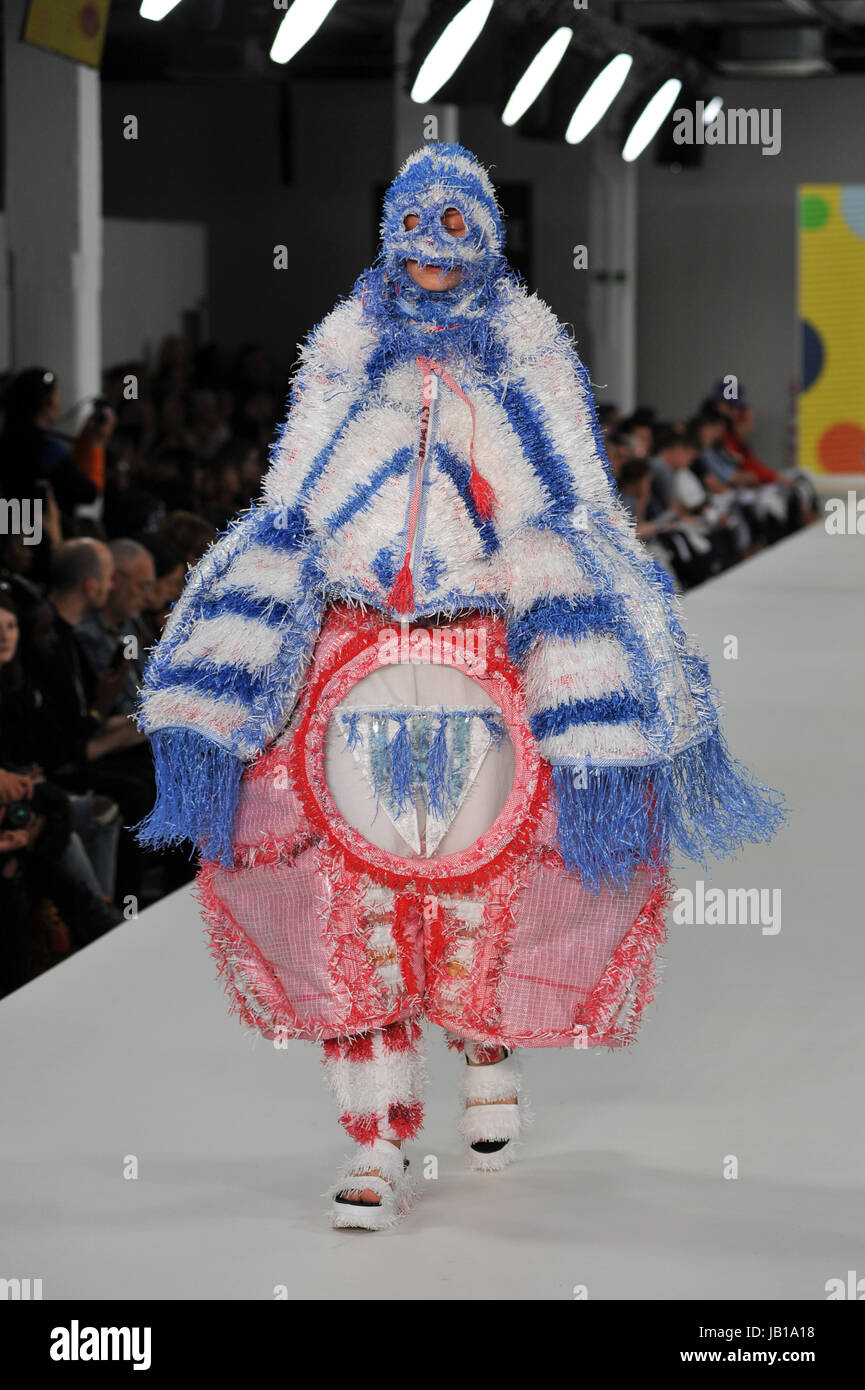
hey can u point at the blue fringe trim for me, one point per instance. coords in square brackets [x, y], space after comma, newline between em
[439, 770]
[402, 772]
[705, 802]
[353, 737]
[197, 785]
[418, 758]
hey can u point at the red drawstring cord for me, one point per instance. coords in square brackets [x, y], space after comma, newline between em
[401, 596]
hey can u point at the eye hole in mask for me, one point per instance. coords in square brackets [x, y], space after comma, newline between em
[452, 221]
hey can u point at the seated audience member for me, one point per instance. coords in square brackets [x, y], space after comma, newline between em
[796, 503]
[717, 471]
[618, 452]
[638, 430]
[635, 488]
[28, 739]
[112, 636]
[670, 451]
[734, 439]
[170, 570]
[116, 755]
[787, 500]
[16, 945]
[18, 574]
[30, 451]
[191, 534]
[208, 427]
[221, 491]
[169, 478]
[69, 843]
[82, 747]
[82, 574]
[45, 907]
[680, 500]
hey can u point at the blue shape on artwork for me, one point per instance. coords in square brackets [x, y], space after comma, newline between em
[812, 354]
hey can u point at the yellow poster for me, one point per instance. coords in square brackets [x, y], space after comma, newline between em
[831, 415]
[75, 28]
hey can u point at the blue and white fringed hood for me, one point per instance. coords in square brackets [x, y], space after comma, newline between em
[441, 453]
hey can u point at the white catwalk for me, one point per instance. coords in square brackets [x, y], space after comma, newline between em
[752, 1050]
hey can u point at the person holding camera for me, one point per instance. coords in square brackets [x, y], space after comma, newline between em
[47, 908]
[34, 452]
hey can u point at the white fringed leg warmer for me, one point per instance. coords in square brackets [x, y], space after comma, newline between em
[378, 1080]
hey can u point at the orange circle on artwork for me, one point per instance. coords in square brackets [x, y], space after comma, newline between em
[841, 449]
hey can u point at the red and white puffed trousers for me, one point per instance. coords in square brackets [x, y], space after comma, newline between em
[349, 919]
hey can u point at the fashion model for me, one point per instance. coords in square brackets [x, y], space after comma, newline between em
[428, 710]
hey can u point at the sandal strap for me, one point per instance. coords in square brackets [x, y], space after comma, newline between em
[490, 1123]
[380, 1156]
[497, 1081]
[366, 1182]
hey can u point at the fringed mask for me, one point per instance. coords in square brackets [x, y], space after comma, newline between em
[440, 210]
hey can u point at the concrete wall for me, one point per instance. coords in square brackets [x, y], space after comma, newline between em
[211, 154]
[170, 259]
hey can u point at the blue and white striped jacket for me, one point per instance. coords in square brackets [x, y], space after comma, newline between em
[613, 686]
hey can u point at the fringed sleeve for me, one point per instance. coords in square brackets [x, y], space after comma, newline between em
[622, 708]
[618, 698]
[225, 676]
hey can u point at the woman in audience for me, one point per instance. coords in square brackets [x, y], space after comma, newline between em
[31, 454]
[29, 738]
[170, 567]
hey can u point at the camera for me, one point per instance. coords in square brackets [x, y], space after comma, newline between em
[17, 815]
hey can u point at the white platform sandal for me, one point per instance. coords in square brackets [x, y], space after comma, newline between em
[490, 1127]
[380, 1168]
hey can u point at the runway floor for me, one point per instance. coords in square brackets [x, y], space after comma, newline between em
[752, 1050]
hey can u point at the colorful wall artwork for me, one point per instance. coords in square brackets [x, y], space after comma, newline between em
[831, 413]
